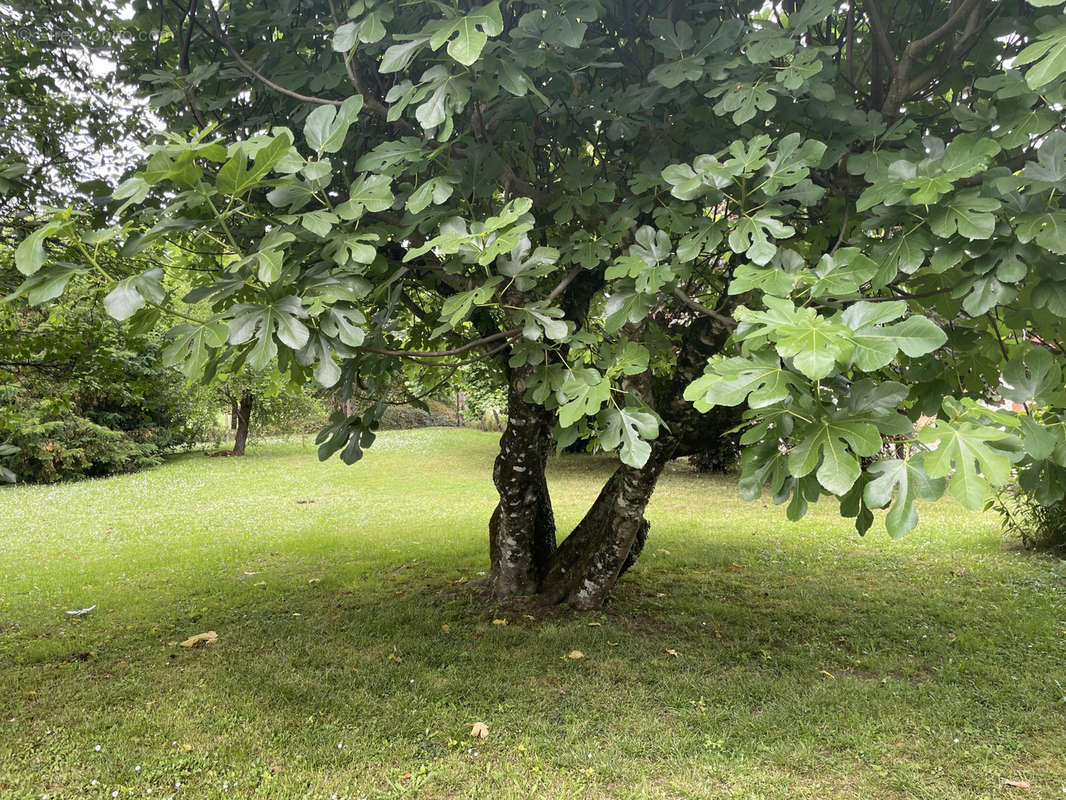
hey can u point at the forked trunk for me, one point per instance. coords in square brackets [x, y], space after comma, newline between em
[522, 528]
[242, 414]
[609, 539]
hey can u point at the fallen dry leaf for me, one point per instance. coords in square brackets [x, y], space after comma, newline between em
[204, 638]
[479, 730]
[446, 628]
[672, 652]
[575, 654]
[594, 624]
[499, 622]
[613, 644]
[1016, 784]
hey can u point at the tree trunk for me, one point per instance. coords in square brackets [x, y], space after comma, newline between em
[522, 528]
[609, 539]
[242, 414]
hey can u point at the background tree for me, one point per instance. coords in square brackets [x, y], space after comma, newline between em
[82, 395]
[840, 218]
[264, 403]
[68, 121]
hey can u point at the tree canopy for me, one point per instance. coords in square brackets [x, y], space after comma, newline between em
[840, 224]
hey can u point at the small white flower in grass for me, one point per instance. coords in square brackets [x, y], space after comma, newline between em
[148, 790]
[97, 748]
[340, 745]
[225, 786]
[93, 782]
[177, 784]
[137, 768]
[115, 793]
[955, 740]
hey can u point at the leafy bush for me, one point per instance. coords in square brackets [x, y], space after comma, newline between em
[84, 396]
[404, 417]
[1025, 519]
[75, 447]
[290, 411]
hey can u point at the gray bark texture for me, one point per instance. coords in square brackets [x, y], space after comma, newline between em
[522, 528]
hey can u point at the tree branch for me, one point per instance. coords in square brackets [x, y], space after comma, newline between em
[371, 103]
[700, 308]
[877, 26]
[420, 354]
[563, 284]
[184, 43]
[901, 83]
[222, 39]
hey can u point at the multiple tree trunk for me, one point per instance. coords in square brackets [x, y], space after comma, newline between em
[525, 559]
[524, 556]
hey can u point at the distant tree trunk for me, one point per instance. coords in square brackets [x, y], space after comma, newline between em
[242, 413]
[522, 528]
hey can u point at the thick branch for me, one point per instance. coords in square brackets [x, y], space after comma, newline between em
[901, 85]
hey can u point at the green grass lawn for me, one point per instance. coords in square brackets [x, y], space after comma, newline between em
[744, 656]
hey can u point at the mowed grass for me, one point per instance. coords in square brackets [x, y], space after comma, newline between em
[744, 656]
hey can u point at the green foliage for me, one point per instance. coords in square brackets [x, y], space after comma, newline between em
[1033, 524]
[870, 202]
[83, 396]
[73, 447]
[288, 411]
